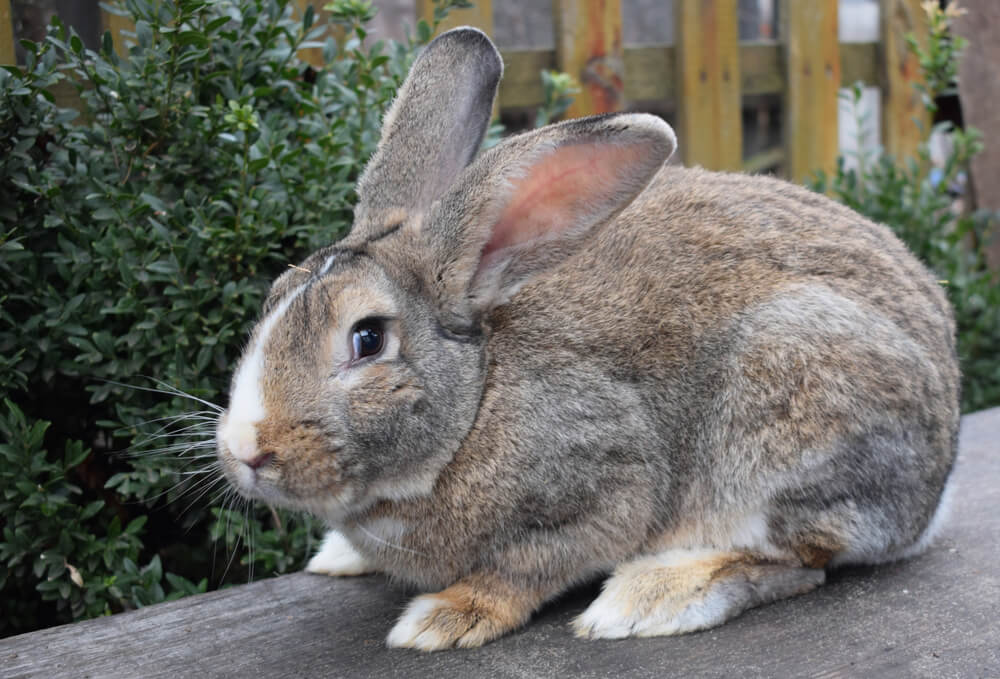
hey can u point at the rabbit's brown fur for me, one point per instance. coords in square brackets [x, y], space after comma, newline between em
[711, 386]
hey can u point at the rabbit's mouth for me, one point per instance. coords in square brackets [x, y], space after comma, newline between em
[252, 472]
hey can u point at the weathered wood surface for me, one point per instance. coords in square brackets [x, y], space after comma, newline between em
[708, 74]
[934, 616]
[905, 121]
[589, 47]
[979, 91]
[812, 62]
[650, 71]
[6, 33]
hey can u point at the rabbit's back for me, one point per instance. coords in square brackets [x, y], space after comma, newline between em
[788, 352]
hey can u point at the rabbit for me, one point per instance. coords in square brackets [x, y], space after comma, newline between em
[562, 359]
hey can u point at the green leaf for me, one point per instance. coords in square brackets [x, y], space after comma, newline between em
[424, 31]
[162, 266]
[153, 202]
[91, 509]
[135, 525]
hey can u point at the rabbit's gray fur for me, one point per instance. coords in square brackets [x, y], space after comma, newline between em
[711, 386]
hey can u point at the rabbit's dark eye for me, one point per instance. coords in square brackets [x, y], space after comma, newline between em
[368, 338]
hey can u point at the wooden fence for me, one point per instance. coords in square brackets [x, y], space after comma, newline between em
[706, 73]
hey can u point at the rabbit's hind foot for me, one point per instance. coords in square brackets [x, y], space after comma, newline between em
[682, 590]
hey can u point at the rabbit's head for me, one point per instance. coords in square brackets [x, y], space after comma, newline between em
[369, 363]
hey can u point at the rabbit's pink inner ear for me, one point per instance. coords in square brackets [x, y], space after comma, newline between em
[568, 189]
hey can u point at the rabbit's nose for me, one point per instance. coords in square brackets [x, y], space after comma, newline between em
[241, 440]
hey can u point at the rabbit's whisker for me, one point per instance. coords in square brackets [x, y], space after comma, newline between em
[168, 390]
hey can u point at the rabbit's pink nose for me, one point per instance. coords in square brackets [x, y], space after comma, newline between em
[259, 461]
[241, 440]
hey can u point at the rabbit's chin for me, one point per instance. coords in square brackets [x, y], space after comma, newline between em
[248, 483]
[332, 507]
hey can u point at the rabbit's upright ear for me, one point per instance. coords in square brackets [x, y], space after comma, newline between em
[433, 129]
[529, 203]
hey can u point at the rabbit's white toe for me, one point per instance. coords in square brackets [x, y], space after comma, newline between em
[415, 629]
[336, 556]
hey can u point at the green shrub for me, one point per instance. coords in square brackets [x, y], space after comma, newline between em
[137, 241]
[916, 200]
[79, 554]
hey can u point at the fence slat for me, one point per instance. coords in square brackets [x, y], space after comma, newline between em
[812, 61]
[589, 47]
[479, 15]
[903, 113]
[651, 72]
[7, 54]
[708, 78]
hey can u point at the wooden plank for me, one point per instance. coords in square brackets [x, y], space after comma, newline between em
[7, 52]
[859, 62]
[651, 71]
[116, 24]
[654, 70]
[933, 616]
[479, 15]
[708, 67]
[762, 69]
[979, 92]
[521, 85]
[905, 121]
[812, 62]
[589, 47]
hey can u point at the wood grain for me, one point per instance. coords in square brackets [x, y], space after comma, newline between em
[933, 616]
[708, 98]
[7, 53]
[652, 71]
[979, 92]
[905, 121]
[589, 47]
[812, 62]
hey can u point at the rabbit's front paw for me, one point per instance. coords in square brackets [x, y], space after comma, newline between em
[464, 615]
[337, 557]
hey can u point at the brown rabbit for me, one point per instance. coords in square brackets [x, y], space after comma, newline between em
[560, 360]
